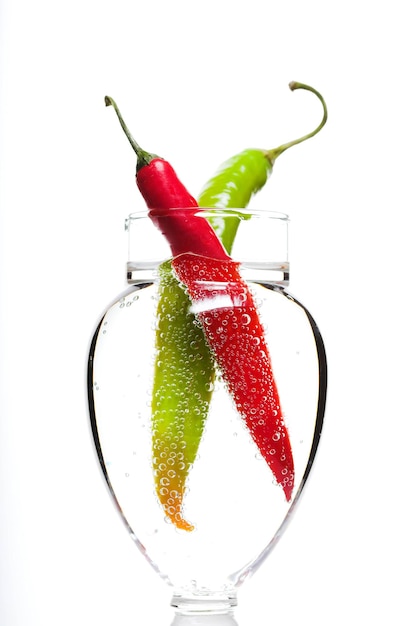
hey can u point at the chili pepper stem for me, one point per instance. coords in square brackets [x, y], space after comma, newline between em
[273, 154]
[144, 158]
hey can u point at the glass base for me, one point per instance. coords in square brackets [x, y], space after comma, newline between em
[204, 619]
[204, 603]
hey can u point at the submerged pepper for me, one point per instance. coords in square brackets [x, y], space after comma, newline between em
[182, 388]
[225, 307]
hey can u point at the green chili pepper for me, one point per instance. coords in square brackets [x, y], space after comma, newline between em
[243, 175]
[184, 366]
[183, 380]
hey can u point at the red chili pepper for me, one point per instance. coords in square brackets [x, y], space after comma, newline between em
[224, 305]
[162, 190]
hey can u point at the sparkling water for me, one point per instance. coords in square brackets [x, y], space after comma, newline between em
[236, 506]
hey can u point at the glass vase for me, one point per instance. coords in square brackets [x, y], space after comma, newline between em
[195, 461]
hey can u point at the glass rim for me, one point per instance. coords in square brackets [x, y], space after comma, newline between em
[217, 211]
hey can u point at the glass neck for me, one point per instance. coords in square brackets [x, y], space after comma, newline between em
[256, 240]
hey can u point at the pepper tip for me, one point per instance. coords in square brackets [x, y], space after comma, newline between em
[179, 522]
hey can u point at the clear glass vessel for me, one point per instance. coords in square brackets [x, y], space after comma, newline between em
[236, 508]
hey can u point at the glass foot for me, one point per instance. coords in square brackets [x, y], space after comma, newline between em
[206, 605]
[225, 618]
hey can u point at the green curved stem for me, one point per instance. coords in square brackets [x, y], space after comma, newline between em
[274, 153]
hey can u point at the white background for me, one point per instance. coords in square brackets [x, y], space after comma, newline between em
[198, 82]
